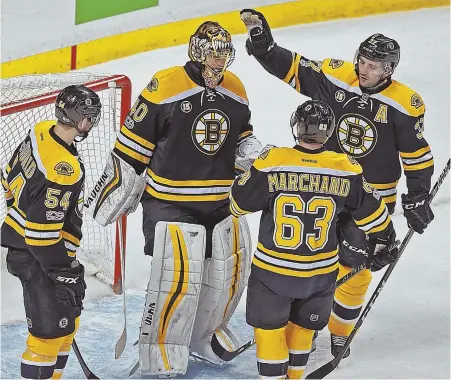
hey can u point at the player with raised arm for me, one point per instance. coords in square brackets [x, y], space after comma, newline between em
[379, 121]
[301, 191]
[44, 182]
[188, 132]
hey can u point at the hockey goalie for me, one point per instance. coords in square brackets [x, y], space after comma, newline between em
[188, 133]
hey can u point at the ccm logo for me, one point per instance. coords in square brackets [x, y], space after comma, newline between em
[67, 280]
[354, 249]
[411, 206]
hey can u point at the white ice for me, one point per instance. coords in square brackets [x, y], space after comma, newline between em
[407, 333]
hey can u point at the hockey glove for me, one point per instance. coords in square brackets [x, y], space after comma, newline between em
[70, 284]
[382, 252]
[417, 211]
[260, 39]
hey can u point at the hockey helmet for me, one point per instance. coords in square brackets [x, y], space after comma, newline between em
[381, 49]
[313, 122]
[75, 103]
[211, 45]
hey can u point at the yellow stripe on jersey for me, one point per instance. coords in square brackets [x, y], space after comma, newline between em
[71, 238]
[417, 153]
[41, 243]
[421, 166]
[384, 186]
[131, 153]
[293, 73]
[300, 258]
[43, 226]
[14, 225]
[237, 210]
[138, 139]
[181, 183]
[293, 272]
[244, 134]
[380, 227]
[186, 198]
[389, 199]
[376, 214]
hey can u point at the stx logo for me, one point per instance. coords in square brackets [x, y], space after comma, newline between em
[148, 320]
[67, 280]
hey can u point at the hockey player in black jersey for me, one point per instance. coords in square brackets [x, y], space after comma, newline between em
[379, 121]
[301, 191]
[44, 182]
[188, 133]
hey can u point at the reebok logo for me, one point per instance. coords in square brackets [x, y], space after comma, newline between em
[67, 280]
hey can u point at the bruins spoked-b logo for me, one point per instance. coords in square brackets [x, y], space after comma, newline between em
[210, 130]
[357, 135]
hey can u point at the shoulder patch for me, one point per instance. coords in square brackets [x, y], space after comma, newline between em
[64, 168]
[416, 101]
[153, 85]
[335, 63]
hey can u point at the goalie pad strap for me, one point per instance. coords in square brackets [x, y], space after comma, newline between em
[117, 192]
[172, 297]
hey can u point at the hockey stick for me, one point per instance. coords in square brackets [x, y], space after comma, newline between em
[88, 373]
[122, 341]
[327, 368]
[351, 274]
[225, 355]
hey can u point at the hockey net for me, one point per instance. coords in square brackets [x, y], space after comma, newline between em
[27, 100]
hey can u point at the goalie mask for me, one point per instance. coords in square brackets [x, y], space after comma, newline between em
[313, 122]
[211, 46]
[76, 103]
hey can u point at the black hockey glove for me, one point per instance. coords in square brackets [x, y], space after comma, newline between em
[70, 284]
[382, 252]
[417, 211]
[260, 39]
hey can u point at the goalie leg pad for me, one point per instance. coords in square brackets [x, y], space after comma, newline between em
[224, 279]
[172, 298]
[117, 192]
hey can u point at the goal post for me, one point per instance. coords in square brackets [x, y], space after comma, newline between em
[27, 100]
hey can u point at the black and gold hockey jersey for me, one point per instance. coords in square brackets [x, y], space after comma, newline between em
[301, 192]
[184, 136]
[43, 185]
[373, 127]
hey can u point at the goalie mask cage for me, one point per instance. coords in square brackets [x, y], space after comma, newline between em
[29, 99]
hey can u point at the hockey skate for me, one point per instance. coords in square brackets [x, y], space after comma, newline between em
[336, 345]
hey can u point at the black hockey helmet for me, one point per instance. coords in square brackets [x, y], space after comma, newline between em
[382, 49]
[313, 122]
[75, 103]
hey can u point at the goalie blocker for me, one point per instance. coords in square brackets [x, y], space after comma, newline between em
[117, 192]
[191, 299]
